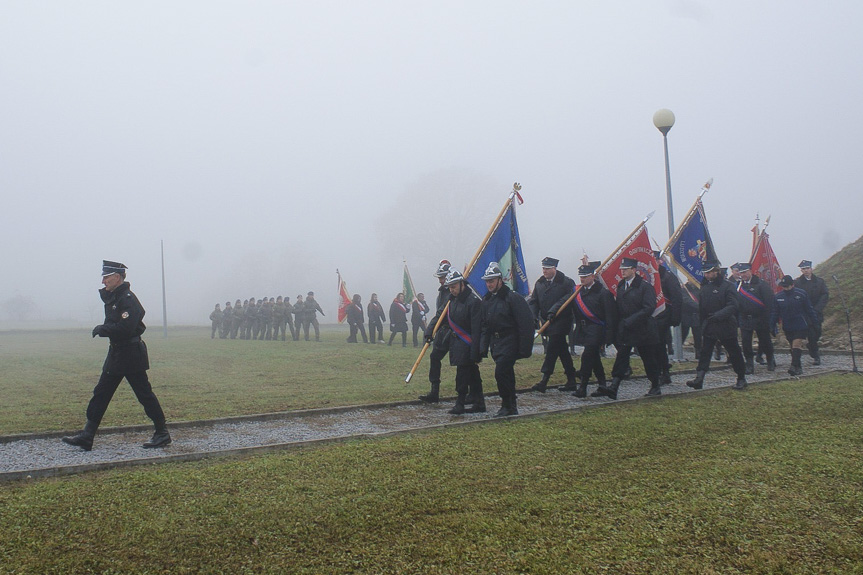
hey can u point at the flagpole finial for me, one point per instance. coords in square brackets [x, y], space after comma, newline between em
[516, 188]
[648, 216]
[706, 187]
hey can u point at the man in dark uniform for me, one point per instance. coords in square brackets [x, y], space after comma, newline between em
[299, 315]
[289, 317]
[793, 307]
[549, 293]
[250, 321]
[755, 301]
[464, 318]
[377, 317]
[818, 293]
[236, 319]
[419, 312]
[595, 314]
[310, 309]
[718, 312]
[127, 357]
[267, 318]
[440, 344]
[507, 331]
[279, 319]
[667, 318]
[399, 319]
[356, 321]
[689, 319]
[636, 327]
[216, 320]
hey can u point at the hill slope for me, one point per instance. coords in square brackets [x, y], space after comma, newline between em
[847, 265]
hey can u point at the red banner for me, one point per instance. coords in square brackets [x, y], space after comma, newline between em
[636, 247]
[344, 298]
[764, 263]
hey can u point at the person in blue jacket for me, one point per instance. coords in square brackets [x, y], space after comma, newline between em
[793, 307]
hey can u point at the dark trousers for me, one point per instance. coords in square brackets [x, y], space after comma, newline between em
[696, 337]
[765, 343]
[291, 327]
[216, 327]
[376, 331]
[557, 348]
[812, 340]
[104, 391]
[404, 337]
[417, 327]
[648, 355]
[468, 379]
[312, 321]
[662, 349]
[731, 347]
[357, 327]
[591, 362]
[435, 359]
[279, 326]
[504, 375]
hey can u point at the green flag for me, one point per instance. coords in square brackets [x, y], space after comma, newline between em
[408, 286]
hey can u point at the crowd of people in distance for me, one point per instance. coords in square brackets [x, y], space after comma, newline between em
[267, 318]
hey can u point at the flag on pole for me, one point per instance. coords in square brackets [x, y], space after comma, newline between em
[408, 285]
[504, 247]
[344, 298]
[691, 246]
[764, 262]
[636, 246]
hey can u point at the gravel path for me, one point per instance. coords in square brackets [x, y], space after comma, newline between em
[45, 455]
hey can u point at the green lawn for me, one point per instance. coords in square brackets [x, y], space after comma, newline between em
[766, 481]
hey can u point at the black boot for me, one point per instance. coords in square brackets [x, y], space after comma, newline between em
[741, 383]
[654, 390]
[432, 396]
[609, 391]
[796, 367]
[161, 437]
[507, 406]
[750, 366]
[817, 359]
[581, 389]
[543, 383]
[698, 382]
[458, 408]
[84, 438]
[478, 405]
[759, 359]
[771, 363]
[665, 377]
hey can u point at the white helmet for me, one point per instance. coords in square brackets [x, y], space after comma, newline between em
[453, 277]
[492, 271]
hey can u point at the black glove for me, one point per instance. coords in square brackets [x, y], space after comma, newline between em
[100, 330]
[550, 316]
[429, 338]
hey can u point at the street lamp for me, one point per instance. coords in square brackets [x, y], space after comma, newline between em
[663, 120]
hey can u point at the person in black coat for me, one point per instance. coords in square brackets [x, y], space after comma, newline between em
[464, 318]
[689, 319]
[818, 293]
[793, 307]
[595, 315]
[636, 327]
[399, 319]
[127, 357]
[440, 343]
[419, 312]
[718, 312]
[755, 302]
[546, 301]
[507, 331]
[668, 318]
[356, 320]
[377, 317]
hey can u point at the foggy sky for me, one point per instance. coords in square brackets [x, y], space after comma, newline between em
[269, 143]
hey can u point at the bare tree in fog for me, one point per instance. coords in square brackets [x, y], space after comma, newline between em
[20, 308]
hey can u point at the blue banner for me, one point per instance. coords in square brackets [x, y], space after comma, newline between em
[503, 247]
[691, 245]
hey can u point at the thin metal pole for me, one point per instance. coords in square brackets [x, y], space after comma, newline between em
[677, 333]
[164, 301]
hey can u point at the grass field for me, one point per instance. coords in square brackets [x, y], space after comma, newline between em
[48, 377]
[767, 481]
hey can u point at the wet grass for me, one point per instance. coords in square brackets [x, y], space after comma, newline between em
[767, 481]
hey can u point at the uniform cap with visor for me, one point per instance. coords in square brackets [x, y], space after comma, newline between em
[111, 268]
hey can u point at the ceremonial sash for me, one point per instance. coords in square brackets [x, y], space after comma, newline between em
[403, 306]
[586, 312]
[749, 296]
[456, 329]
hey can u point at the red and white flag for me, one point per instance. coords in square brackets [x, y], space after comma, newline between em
[344, 298]
[637, 247]
[764, 263]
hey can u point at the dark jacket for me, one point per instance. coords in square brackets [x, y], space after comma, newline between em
[507, 325]
[441, 338]
[754, 302]
[398, 316]
[673, 311]
[794, 309]
[547, 297]
[690, 295]
[123, 326]
[595, 315]
[464, 320]
[354, 313]
[635, 322]
[818, 294]
[419, 309]
[718, 309]
[376, 313]
[311, 307]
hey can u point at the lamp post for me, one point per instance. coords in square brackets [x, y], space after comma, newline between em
[663, 120]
